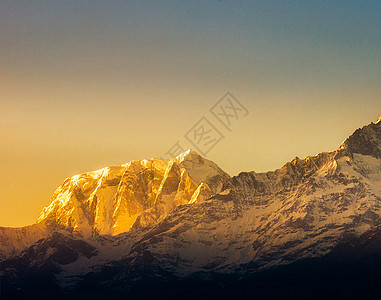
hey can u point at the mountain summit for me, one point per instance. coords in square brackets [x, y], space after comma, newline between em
[109, 200]
[156, 221]
[366, 141]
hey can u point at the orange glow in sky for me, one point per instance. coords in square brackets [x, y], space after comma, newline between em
[83, 86]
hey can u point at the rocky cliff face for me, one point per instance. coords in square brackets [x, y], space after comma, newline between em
[108, 201]
[186, 218]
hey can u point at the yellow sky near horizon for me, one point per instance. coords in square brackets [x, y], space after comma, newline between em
[41, 146]
[84, 85]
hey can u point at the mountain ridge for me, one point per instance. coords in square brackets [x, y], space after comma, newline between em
[109, 200]
[195, 220]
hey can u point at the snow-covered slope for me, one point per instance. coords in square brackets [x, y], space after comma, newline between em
[185, 217]
[14, 240]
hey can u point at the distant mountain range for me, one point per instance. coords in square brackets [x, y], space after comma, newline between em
[183, 228]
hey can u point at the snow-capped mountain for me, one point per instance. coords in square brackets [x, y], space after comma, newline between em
[153, 221]
[108, 201]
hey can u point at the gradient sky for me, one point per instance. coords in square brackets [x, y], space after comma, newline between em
[87, 84]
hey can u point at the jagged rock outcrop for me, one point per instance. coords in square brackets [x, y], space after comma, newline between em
[365, 141]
